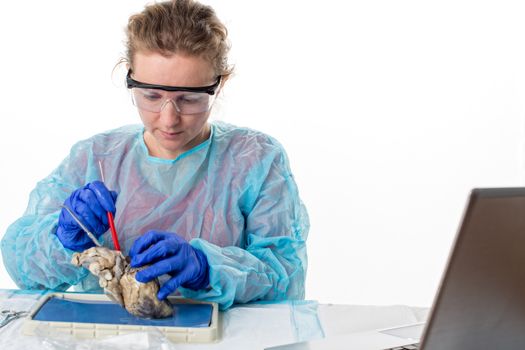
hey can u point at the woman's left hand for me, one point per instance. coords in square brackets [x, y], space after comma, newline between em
[168, 253]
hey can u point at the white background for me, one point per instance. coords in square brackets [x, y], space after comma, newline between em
[391, 111]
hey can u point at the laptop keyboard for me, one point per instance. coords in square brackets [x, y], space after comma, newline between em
[406, 347]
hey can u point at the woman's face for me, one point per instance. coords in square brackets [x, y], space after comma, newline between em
[169, 133]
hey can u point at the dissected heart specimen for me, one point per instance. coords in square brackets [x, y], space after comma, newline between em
[117, 277]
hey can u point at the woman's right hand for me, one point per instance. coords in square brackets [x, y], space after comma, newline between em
[91, 204]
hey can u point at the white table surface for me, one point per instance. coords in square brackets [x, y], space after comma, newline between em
[250, 327]
[337, 319]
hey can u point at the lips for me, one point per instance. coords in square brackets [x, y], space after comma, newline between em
[170, 135]
[171, 132]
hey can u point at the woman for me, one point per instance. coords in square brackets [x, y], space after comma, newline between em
[212, 208]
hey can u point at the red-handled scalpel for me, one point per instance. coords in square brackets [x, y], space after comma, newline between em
[110, 216]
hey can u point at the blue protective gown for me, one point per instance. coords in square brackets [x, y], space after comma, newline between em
[233, 197]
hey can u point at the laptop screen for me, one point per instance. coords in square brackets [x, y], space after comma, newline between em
[481, 301]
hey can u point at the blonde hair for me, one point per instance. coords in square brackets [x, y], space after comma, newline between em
[179, 26]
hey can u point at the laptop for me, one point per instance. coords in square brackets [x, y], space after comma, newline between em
[480, 303]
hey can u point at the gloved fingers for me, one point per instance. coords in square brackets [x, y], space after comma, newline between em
[173, 283]
[169, 287]
[104, 196]
[159, 251]
[89, 198]
[66, 221]
[147, 274]
[76, 202]
[143, 242]
[89, 219]
[114, 195]
[69, 232]
[167, 266]
[74, 239]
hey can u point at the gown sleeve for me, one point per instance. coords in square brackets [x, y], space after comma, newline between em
[32, 253]
[274, 262]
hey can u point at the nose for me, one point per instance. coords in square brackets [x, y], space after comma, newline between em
[169, 113]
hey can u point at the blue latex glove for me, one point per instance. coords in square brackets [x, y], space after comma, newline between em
[168, 253]
[91, 204]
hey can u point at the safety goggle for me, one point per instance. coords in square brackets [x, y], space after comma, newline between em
[187, 100]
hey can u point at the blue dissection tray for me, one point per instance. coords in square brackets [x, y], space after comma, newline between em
[89, 311]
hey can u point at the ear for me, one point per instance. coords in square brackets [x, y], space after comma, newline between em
[224, 78]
